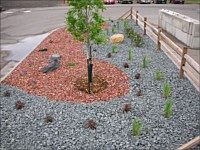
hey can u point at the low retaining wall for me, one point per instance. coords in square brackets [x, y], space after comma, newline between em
[184, 28]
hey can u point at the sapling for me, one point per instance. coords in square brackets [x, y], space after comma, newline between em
[158, 74]
[167, 110]
[84, 22]
[114, 48]
[144, 62]
[166, 89]
[129, 54]
[136, 127]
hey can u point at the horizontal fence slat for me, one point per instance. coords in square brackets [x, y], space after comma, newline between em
[192, 63]
[190, 144]
[191, 77]
[152, 27]
[170, 54]
[171, 43]
[151, 34]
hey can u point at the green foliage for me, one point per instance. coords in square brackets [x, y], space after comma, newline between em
[129, 32]
[107, 31]
[84, 22]
[129, 54]
[144, 62]
[138, 40]
[114, 48]
[158, 74]
[167, 110]
[125, 23]
[117, 25]
[136, 127]
[70, 64]
[166, 89]
[113, 29]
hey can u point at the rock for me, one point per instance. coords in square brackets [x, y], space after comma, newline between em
[54, 57]
[50, 67]
[43, 49]
[53, 63]
[117, 38]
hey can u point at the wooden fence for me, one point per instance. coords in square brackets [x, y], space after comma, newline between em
[187, 66]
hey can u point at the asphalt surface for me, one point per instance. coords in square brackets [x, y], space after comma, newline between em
[20, 23]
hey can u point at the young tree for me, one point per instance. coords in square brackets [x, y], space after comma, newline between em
[83, 21]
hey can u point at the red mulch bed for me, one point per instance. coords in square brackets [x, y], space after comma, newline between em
[59, 84]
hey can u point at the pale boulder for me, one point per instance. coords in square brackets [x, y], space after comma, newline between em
[117, 38]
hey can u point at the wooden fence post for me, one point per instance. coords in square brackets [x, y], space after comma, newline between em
[136, 17]
[183, 60]
[131, 12]
[145, 19]
[158, 40]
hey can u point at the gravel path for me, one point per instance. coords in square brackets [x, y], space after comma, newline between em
[25, 129]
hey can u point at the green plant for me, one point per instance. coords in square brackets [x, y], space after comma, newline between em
[125, 23]
[167, 110]
[117, 24]
[144, 62]
[113, 29]
[166, 89]
[107, 31]
[158, 74]
[129, 54]
[114, 48]
[84, 22]
[136, 127]
[137, 40]
[70, 64]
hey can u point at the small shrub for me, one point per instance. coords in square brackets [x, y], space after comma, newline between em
[19, 105]
[90, 124]
[129, 54]
[48, 118]
[126, 65]
[138, 40]
[23, 72]
[167, 110]
[113, 29]
[109, 55]
[70, 64]
[107, 31]
[137, 75]
[136, 127]
[117, 25]
[129, 32]
[125, 23]
[7, 94]
[114, 48]
[50, 41]
[138, 92]
[31, 82]
[144, 62]
[126, 107]
[94, 49]
[166, 89]
[158, 74]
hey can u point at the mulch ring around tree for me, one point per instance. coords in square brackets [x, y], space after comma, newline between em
[64, 83]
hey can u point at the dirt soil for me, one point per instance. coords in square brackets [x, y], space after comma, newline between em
[59, 84]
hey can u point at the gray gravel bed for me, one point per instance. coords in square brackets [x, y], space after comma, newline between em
[25, 129]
